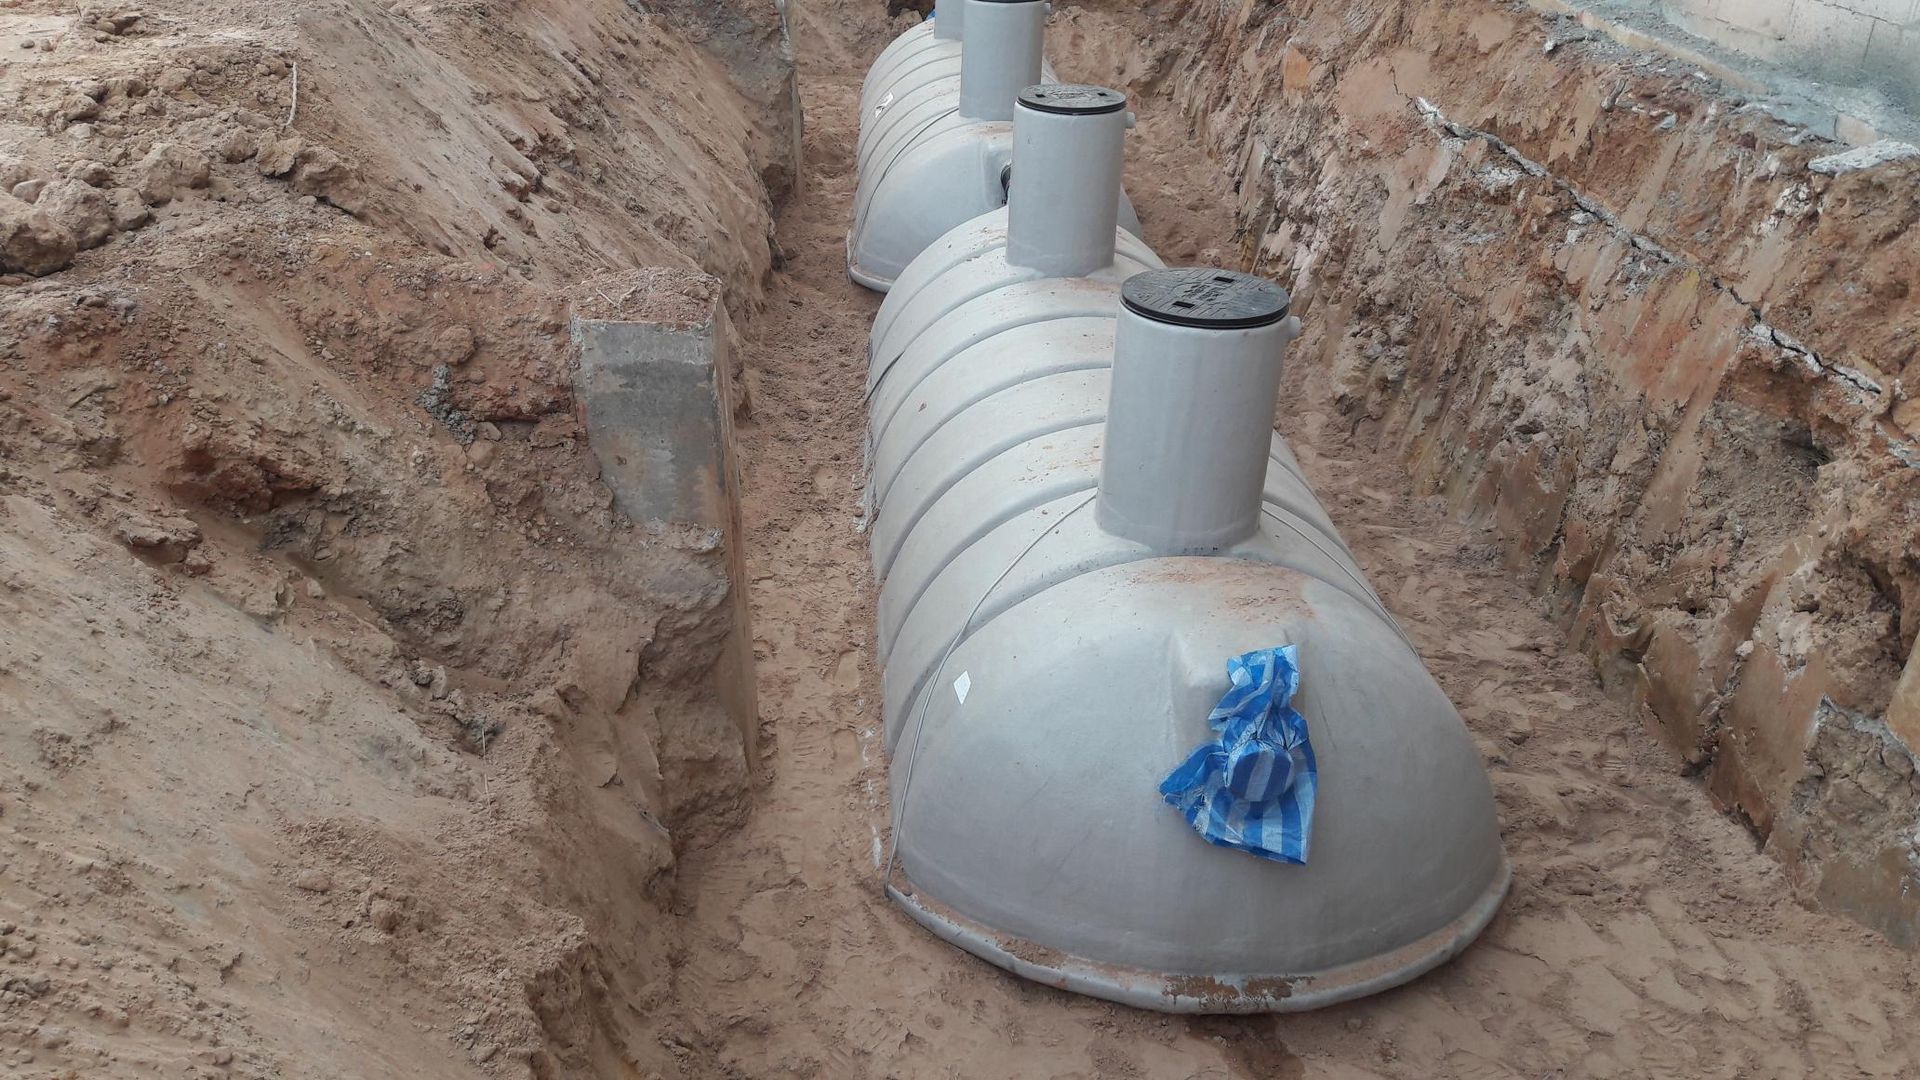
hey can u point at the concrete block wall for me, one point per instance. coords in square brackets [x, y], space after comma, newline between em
[656, 389]
[1846, 42]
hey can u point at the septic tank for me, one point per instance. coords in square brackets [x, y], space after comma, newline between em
[1079, 515]
[936, 155]
[1075, 557]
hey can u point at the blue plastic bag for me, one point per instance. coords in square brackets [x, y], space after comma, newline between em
[1252, 788]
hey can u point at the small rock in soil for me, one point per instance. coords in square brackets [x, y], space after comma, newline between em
[277, 156]
[91, 173]
[237, 145]
[314, 881]
[80, 209]
[75, 107]
[324, 174]
[454, 346]
[30, 242]
[169, 169]
[167, 541]
[129, 210]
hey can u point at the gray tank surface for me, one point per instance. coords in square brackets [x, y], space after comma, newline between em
[936, 134]
[919, 66]
[925, 52]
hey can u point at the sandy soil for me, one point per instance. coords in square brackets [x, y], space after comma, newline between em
[1645, 935]
[328, 673]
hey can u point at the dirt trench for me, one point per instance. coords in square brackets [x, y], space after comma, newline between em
[347, 730]
[1646, 934]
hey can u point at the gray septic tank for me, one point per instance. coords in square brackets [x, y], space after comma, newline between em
[1080, 512]
[933, 149]
[918, 73]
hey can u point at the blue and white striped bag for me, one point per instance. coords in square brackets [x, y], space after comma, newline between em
[1252, 788]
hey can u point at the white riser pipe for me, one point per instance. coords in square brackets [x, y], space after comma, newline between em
[1000, 48]
[1196, 368]
[1063, 202]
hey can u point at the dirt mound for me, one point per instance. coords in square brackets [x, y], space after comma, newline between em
[331, 674]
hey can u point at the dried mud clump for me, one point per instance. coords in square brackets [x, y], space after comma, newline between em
[31, 241]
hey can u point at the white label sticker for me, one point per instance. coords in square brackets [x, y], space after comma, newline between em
[961, 685]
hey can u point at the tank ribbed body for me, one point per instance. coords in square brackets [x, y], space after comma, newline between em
[920, 68]
[899, 64]
[988, 392]
[1078, 512]
[1042, 673]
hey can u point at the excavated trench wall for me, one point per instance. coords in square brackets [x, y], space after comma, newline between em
[414, 697]
[1594, 300]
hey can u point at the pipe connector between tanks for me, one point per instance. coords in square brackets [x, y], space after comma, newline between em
[1196, 370]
